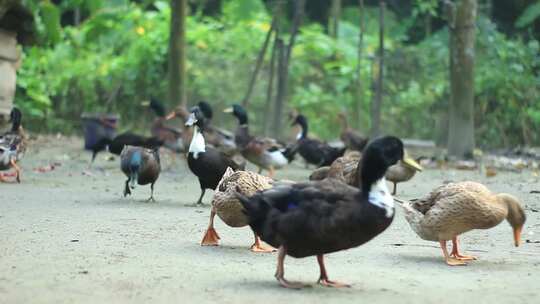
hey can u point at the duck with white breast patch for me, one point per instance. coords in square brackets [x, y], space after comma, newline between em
[207, 163]
[317, 218]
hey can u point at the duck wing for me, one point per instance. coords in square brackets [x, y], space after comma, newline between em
[313, 217]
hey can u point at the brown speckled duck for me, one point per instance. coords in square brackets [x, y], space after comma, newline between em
[453, 209]
[228, 207]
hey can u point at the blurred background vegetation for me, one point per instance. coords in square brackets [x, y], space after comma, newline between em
[108, 56]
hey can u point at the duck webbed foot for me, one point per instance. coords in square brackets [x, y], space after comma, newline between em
[280, 272]
[455, 252]
[211, 238]
[323, 278]
[451, 261]
[258, 246]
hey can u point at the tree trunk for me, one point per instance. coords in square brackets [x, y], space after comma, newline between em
[335, 15]
[462, 35]
[270, 89]
[281, 87]
[284, 55]
[359, 84]
[377, 103]
[258, 64]
[177, 53]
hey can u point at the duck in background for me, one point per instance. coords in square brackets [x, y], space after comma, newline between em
[343, 169]
[13, 144]
[317, 218]
[117, 144]
[172, 138]
[141, 166]
[453, 209]
[314, 151]
[351, 138]
[207, 163]
[187, 133]
[403, 171]
[266, 153]
[228, 207]
[222, 140]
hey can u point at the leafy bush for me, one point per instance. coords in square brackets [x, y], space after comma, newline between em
[118, 57]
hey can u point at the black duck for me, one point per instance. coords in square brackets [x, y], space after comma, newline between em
[317, 218]
[207, 163]
[314, 151]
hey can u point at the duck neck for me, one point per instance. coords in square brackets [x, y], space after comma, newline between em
[198, 144]
[371, 172]
[16, 124]
[514, 211]
[303, 130]
[242, 119]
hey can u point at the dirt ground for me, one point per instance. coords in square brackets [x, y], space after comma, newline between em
[70, 237]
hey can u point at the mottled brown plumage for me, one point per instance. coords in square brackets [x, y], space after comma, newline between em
[456, 208]
[228, 207]
[345, 169]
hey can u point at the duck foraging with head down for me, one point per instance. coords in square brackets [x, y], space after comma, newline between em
[317, 218]
[228, 207]
[141, 166]
[453, 209]
[207, 163]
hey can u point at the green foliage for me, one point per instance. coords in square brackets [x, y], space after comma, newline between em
[118, 57]
[530, 14]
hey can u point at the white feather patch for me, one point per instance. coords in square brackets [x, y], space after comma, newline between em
[380, 196]
[299, 135]
[197, 144]
[278, 159]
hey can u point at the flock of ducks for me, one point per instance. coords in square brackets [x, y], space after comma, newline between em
[345, 204]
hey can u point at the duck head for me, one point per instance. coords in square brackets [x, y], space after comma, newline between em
[15, 118]
[206, 109]
[516, 214]
[179, 111]
[155, 105]
[378, 156]
[196, 117]
[239, 112]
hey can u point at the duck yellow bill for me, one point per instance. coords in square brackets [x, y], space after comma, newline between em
[411, 162]
[228, 110]
[170, 115]
[145, 103]
[517, 236]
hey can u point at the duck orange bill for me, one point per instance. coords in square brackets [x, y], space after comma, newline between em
[517, 236]
[412, 163]
[228, 110]
[170, 115]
